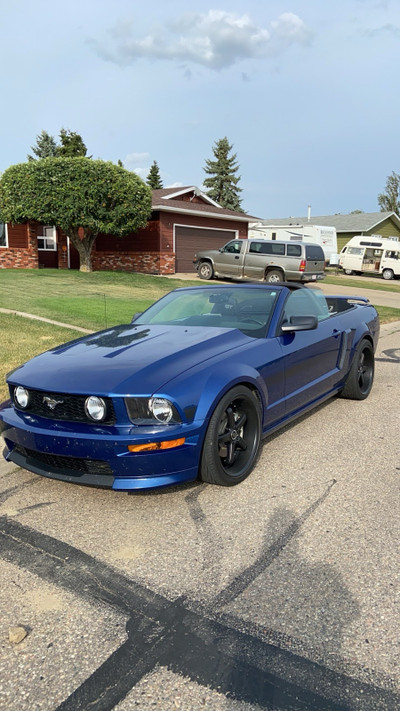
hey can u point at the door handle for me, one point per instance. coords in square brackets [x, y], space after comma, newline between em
[336, 332]
[236, 256]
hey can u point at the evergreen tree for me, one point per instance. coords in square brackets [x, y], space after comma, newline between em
[223, 182]
[45, 147]
[389, 201]
[154, 178]
[71, 145]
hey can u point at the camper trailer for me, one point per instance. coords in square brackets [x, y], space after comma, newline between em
[314, 234]
[371, 254]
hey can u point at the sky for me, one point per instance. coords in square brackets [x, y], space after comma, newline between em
[306, 91]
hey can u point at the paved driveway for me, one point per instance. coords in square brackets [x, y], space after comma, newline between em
[281, 593]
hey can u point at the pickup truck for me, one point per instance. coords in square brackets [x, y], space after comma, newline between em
[262, 260]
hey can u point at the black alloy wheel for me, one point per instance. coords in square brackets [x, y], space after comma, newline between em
[232, 439]
[361, 376]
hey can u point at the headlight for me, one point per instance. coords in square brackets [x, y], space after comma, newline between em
[95, 408]
[161, 409]
[21, 396]
[154, 410]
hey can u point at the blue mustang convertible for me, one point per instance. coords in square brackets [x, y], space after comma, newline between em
[188, 389]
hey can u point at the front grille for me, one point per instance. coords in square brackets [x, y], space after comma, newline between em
[69, 407]
[56, 463]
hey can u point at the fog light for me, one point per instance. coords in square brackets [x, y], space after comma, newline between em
[95, 408]
[21, 396]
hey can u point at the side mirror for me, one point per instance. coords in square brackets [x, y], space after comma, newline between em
[300, 323]
[221, 249]
[135, 316]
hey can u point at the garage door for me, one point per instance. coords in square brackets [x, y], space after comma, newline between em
[189, 240]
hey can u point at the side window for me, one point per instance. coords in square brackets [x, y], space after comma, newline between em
[255, 247]
[304, 302]
[3, 235]
[47, 240]
[294, 250]
[233, 247]
[272, 248]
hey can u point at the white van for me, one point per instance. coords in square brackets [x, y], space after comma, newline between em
[371, 254]
[314, 234]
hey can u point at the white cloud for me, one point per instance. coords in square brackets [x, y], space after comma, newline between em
[216, 39]
[141, 172]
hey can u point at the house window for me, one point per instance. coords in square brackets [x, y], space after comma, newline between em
[47, 240]
[3, 235]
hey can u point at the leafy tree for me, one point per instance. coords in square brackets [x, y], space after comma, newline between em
[223, 181]
[45, 147]
[81, 196]
[71, 146]
[154, 178]
[389, 201]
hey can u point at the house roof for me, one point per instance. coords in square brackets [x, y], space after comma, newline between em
[357, 222]
[172, 200]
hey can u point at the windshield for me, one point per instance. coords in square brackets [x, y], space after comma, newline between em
[246, 309]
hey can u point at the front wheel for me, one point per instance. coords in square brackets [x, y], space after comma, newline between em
[361, 376]
[206, 271]
[232, 439]
[349, 272]
[273, 276]
[388, 274]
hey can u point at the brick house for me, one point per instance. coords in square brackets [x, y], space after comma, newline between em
[182, 221]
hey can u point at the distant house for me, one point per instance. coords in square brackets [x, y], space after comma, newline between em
[386, 224]
[182, 221]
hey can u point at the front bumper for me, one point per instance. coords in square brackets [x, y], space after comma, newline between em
[99, 456]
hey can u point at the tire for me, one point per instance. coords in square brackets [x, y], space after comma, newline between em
[361, 375]
[205, 270]
[232, 440]
[349, 272]
[388, 274]
[273, 276]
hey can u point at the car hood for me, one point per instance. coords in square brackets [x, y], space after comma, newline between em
[125, 360]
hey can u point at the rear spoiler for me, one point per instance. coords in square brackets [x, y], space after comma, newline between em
[350, 299]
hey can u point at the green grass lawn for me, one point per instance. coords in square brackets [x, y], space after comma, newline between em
[22, 338]
[95, 300]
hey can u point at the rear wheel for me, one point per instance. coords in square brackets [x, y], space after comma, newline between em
[205, 270]
[349, 272]
[361, 376]
[388, 274]
[232, 439]
[273, 276]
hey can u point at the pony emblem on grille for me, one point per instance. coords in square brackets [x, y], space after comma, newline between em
[51, 402]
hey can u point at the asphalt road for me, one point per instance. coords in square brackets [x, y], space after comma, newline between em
[280, 593]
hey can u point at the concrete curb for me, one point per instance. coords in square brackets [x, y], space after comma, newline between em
[46, 320]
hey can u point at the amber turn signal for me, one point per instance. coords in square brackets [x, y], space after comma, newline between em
[154, 446]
